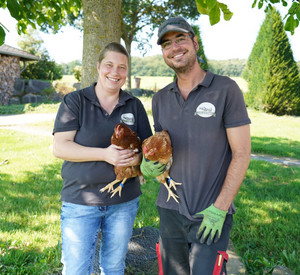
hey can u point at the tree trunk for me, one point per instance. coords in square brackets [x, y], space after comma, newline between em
[102, 25]
[128, 48]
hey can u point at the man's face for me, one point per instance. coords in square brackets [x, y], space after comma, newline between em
[179, 51]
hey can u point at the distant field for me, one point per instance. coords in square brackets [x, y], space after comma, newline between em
[68, 79]
[155, 83]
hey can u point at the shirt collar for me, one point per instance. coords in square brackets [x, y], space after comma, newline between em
[205, 83]
[90, 94]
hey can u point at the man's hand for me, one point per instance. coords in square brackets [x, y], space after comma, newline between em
[151, 169]
[211, 227]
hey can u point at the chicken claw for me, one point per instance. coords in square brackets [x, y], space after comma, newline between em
[173, 183]
[170, 193]
[109, 186]
[118, 189]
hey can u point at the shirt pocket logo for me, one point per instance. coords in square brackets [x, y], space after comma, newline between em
[206, 109]
[127, 118]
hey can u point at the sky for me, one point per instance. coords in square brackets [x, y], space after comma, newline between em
[225, 40]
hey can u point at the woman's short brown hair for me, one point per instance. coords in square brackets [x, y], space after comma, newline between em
[112, 47]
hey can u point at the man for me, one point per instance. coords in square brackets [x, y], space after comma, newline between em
[207, 120]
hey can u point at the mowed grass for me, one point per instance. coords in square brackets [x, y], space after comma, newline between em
[274, 135]
[29, 203]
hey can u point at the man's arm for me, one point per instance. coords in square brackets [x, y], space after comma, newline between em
[240, 143]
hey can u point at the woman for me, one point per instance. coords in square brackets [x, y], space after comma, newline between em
[83, 127]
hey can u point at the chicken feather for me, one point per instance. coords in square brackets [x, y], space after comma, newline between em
[128, 139]
[158, 148]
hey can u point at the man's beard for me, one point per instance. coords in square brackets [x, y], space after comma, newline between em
[180, 69]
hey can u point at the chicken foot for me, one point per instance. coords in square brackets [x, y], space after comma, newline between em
[109, 186]
[172, 183]
[119, 188]
[170, 192]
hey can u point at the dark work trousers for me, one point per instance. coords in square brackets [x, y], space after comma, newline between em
[181, 252]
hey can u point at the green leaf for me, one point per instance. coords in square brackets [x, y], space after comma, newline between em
[294, 7]
[211, 4]
[254, 3]
[14, 9]
[227, 13]
[290, 24]
[214, 15]
[202, 6]
[2, 36]
[274, 1]
[298, 14]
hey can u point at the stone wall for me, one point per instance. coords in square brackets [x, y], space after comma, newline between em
[9, 71]
[29, 91]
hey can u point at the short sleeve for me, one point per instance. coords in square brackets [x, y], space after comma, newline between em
[68, 115]
[235, 113]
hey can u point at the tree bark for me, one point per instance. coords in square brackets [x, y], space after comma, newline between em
[102, 25]
[128, 48]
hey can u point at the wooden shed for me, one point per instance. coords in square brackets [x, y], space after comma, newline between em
[10, 69]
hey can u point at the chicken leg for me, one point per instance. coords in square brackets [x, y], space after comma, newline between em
[173, 183]
[109, 186]
[119, 188]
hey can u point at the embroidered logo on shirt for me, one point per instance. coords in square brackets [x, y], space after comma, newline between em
[206, 109]
[127, 118]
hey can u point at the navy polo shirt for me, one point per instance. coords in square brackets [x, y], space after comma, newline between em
[81, 111]
[197, 126]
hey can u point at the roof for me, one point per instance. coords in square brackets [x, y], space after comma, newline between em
[9, 50]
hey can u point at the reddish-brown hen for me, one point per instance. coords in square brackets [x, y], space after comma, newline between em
[158, 148]
[127, 139]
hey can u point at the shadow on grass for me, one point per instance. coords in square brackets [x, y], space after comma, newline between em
[30, 209]
[276, 146]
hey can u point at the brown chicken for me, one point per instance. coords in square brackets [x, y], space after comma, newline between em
[127, 139]
[158, 148]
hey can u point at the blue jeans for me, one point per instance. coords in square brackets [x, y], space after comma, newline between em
[80, 226]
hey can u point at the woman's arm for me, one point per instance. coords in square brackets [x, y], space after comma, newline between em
[65, 148]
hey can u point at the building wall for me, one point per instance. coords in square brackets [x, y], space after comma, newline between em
[9, 71]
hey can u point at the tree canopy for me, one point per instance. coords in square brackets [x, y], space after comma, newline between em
[214, 9]
[44, 69]
[50, 14]
[46, 14]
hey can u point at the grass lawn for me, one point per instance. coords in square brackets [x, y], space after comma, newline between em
[266, 226]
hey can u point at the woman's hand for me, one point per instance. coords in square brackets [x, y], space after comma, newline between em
[118, 156]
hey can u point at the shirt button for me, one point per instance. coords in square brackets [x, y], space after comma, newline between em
[106, 114]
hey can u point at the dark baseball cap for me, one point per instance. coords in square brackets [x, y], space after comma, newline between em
[177, 24]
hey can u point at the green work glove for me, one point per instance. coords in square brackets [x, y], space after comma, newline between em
[151, 169]
[211, 227]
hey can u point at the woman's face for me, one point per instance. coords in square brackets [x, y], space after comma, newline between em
[113, 70]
